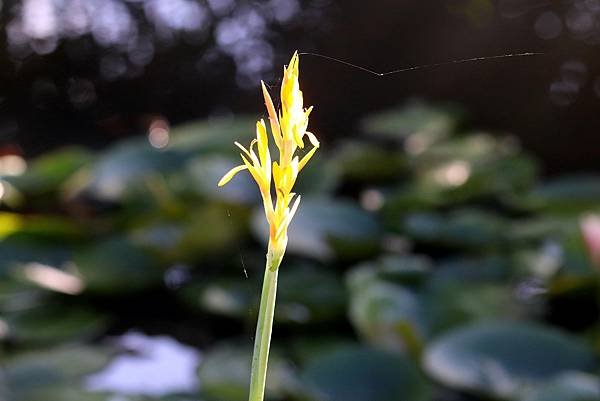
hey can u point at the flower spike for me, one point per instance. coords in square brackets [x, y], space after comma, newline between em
[288, 129]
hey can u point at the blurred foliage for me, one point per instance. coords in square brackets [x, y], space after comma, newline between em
[427, 262]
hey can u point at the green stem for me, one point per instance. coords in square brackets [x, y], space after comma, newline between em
[264, 327]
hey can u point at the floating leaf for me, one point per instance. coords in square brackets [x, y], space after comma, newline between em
[503, 358]
[224, 375]
[50, 171]
[572, 386]
[116, 266]
[306, 295]
[384, 165]
[322, 226]
[415, 122]
[463, 228]
[53, 323]
[388, 315]
[32, 375]
[359, 374]
[565, 195]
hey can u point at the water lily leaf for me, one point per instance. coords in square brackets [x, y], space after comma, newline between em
[126, 168]
[30, 375]
[385, 305]
[566, 195]
[225, 233]
[404, 269]
[358, 374]
[52, 323]
[308, 294]
[503, 358]
[319, 177]
[205, 171]
[572, 386]
[57, 392]
[388, 315]
[48, 172]
[323, 227]
[116, 265]
[20, 248]
[212, 136]
[416, 122]
[224, 375]
[463, 228]
[236, 298]
[384, 165]
[305, 295]
[450, 305]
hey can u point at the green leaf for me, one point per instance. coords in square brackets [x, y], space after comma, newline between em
[565, 195]
[53, 323]
[212, 136]
[503, 358]
[126, 169]
[116, 266]
[308, 294]
[385, 307]
[324, 227]
[424, 123]
[31, 375]
[572, 386]
[470, 228]
[48, 172]
[225, 375]
[359, 374]
[305, 295]
[366, 163]
[388, 315]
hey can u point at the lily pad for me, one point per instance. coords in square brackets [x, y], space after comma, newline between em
[503, 358]
[359, 374]
[365, 163]
[50, 171]
[115, 266]
[224, 375]
[428, 124]
[305, 295]
[388, 315]
[565, 195]
[53, 323]
[214, 136]
[322, 226]
[463, 228]
[126, 168]
[30, 375]
[572, 386]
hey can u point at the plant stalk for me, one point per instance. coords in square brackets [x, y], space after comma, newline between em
[264, 327]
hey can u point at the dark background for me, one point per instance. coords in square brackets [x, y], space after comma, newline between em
[89, 72]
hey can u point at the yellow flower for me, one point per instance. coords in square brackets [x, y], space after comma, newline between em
[288, 128]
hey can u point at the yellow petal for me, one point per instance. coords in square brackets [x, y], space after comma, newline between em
[263, 142]
[307, 157]
[253, 156]
[313, 139]
[275, 129]
[294, 208]
[298, 136]
[227, 177]
[256, 174]
[288, 219]
[276, 173]
[239, 145]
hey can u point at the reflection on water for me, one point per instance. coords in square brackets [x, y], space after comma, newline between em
[156, 366]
